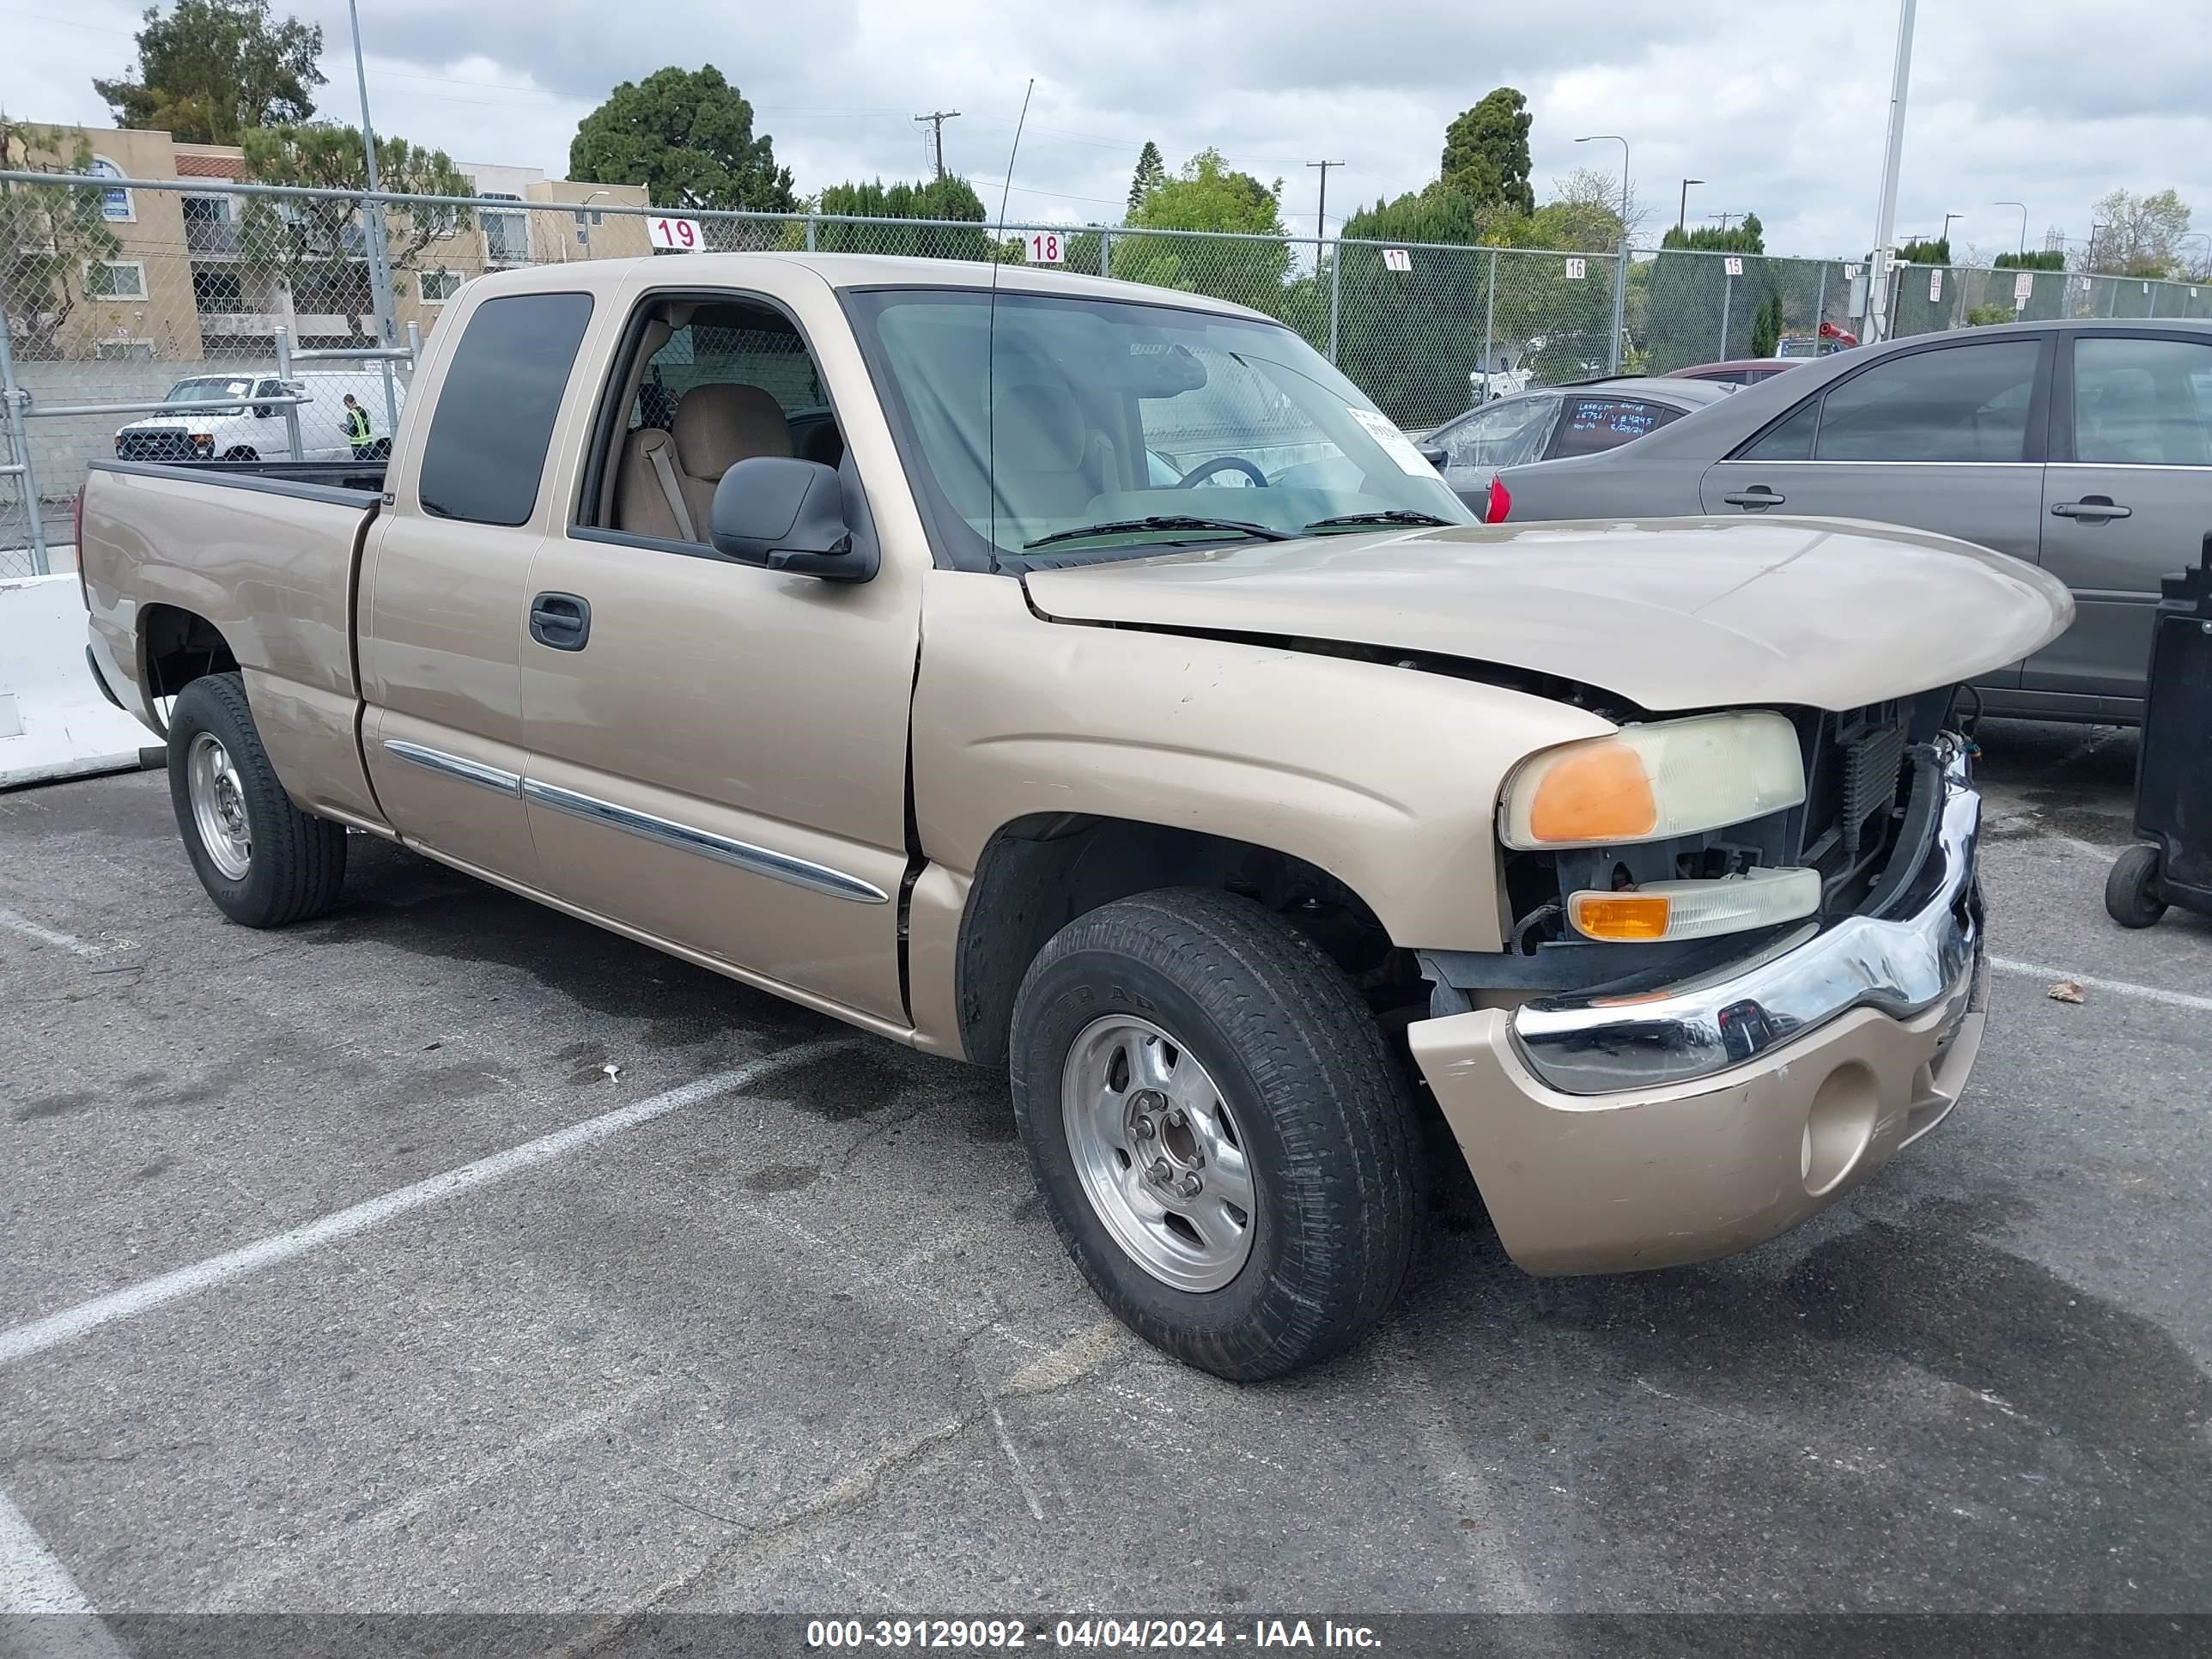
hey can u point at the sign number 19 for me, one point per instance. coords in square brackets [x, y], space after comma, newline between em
[1045, 248]
[682, 235]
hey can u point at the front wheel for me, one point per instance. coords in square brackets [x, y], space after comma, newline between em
[2131, 890]
[1228, 1149]
[262, 860]
[241, 453]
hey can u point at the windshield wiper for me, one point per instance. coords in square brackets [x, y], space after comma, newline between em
[1164, 521]
[1389, 515]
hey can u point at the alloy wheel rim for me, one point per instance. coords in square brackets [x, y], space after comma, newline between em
[218, 801]
[1160, 1154]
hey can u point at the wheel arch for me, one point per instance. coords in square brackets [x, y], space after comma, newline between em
[1041, 870]
[177, 646]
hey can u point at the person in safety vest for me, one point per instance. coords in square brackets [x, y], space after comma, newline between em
[356, 428]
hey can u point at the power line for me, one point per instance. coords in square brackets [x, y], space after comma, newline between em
[1320, 208]
[937, 118]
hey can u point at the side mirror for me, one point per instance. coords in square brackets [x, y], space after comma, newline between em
[1436, 457]
[788, 514]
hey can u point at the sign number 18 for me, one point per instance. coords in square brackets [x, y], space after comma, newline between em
[1045, 248]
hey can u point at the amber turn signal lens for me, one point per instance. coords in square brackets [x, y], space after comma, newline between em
[1625, 917]
[1599, 792]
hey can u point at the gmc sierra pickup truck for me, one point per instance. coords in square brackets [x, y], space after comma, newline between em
[1086, 681]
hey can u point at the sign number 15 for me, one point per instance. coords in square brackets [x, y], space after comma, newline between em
[1045, 248]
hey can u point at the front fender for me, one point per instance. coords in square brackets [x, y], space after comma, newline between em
[1386, 778]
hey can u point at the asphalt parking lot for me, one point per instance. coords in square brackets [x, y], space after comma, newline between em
[783, 1327]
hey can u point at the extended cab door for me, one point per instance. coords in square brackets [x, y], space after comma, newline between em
[2128, 500]
[445, 592]
[718, 750]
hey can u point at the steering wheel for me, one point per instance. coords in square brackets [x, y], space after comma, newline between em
[1223, 463]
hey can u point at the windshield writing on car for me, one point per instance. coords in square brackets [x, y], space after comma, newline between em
[1125, 422]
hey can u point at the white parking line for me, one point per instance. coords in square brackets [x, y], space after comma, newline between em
[32, 1578]
[2090, 981]
[40, 1334]
[45, 935]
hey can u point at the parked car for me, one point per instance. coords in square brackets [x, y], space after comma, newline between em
[217, 418]
[2085, 448]
[1555, 420]
[1737, 371]
[1184, 804]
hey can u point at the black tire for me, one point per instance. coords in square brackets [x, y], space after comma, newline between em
[1322, 1108]
[2131, 890]
[295, 867]
[241, 453]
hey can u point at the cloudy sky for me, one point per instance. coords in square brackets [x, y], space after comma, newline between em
[1779, 105]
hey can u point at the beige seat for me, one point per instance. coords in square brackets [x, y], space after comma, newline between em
[665, 487]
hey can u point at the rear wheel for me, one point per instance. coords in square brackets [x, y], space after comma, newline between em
[1229, 1150]
[2131, 890]
[262, 860]
[241, 453]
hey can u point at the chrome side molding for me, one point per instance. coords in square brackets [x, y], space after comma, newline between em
[760, 860]
[1593, 1045]
[453, 766]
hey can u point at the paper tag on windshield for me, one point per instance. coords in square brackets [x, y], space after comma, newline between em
[1395, 444]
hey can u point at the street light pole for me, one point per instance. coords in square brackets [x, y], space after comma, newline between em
[2022, 206]
[1885, 227]
[1945, 237]
[1621, 265]
[372, 246]
[1682, 208]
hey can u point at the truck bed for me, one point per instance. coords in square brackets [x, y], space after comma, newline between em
[189, 562]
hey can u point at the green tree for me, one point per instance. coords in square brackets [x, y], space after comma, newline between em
[2138, 235]
[2047, 259]
[687, 135]
[316, 244]
[1746, 235]
[213, 70]
[948, 197]
[1207, 194]
[1766, 326]
[1925, 251]
[48, 234]
[1409, 338]
[1151, 173]
[1486, 155]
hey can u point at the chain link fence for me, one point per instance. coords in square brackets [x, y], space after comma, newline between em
[144, 317]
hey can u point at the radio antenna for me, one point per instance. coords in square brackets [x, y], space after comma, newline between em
[991, 329]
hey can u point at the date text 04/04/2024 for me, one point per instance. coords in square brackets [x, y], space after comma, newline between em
[1139, 1634]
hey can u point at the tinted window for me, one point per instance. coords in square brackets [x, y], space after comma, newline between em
[1591, 424]
[1791, 441]
[2142, 402]
[496, 408]
[1964, 402]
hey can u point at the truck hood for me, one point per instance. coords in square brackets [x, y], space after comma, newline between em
[179, 422]
[1678, 613]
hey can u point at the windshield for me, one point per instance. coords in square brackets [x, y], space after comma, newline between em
[216, 390]
[1103, 413]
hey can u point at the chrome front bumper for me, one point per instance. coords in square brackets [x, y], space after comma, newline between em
[1593, 1045]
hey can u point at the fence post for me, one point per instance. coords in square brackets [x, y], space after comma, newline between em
[1619, 303]
[1489, 313]
[284, 376]
[1105, 252]
[19, 441]
[1728, 299]
[1335, 289]
[810, 233]
[1820, 307]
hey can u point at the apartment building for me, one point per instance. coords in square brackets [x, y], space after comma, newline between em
[209, 274]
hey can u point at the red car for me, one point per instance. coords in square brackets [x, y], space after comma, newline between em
[1737, 371]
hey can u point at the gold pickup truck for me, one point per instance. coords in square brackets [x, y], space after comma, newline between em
[1086, 681]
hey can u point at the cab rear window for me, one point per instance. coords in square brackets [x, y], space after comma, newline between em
[486, 448]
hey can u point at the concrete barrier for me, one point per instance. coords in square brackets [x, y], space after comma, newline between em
[53, 721]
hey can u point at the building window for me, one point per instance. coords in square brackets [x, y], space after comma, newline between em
[217, 291]
[507, 236]
[438, 286]
[114, 204]
[124, 351]
[115, 279]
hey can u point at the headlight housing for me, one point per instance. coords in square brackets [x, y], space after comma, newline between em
[1655, 781]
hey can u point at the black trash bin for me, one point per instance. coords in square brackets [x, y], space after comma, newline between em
[2174, 769]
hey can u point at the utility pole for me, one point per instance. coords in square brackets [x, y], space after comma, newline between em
[1682, 208]
[378, 254]
[937, 118]
[1885, 219]
[1320, 212]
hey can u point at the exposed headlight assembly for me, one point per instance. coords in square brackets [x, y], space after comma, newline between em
[1655, 781]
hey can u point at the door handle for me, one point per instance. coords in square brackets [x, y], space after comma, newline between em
[562, 620]
[1758, 497]
[2095, 508]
